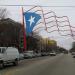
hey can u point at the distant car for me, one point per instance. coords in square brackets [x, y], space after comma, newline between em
[44, 54]
[73, 56]
[29, 54]
[73, 53]
[52, 54]
[65, 52]
[21, 56]
[37, 54]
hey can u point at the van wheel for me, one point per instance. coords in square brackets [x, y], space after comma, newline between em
[1, 65]
[15, 63]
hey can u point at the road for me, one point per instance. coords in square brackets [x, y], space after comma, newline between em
[62, 64]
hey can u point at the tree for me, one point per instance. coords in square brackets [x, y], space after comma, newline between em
[9, 32]
[32, 42]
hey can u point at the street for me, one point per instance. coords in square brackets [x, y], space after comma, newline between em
[62, 64]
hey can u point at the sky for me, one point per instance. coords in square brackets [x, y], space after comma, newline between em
[60, 7]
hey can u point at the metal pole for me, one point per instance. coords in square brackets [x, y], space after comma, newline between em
[24, 34]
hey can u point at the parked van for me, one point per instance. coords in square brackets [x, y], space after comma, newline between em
[8, 55]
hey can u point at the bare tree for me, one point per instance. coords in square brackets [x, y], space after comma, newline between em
[3, 13]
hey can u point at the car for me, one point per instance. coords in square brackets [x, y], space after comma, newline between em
[52, 54]
[37, 54]
[29, 54]
[21, 56]
[43, 54]
[65, 52]
[73, 53]
[8, 55]
[73, 56]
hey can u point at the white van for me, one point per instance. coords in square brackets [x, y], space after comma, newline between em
[8, 55]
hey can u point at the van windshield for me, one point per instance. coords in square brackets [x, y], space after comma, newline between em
[2, 50]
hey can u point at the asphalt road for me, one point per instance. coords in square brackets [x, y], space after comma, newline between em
[62, 64]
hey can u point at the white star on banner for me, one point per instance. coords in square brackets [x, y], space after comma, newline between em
[31, 20]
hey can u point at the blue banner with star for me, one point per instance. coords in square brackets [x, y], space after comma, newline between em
[31, 19]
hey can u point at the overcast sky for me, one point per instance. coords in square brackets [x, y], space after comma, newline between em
[64, 8]
[40, 2]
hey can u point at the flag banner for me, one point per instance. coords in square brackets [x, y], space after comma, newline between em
[36, 26]
[38, 19]
[31, 19]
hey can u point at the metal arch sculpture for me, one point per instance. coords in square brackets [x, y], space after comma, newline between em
[56, 22]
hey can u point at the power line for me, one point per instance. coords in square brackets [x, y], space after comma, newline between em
[34, 5]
